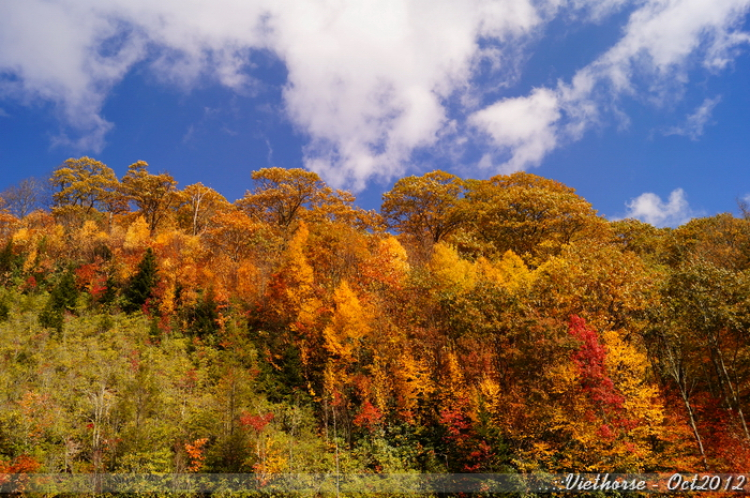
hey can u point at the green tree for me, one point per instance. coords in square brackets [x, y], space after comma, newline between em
[142, 284]
[62, 298]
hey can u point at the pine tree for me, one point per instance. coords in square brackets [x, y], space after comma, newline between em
[143, 283]
[62, 298]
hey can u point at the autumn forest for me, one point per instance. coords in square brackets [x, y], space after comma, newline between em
[495, 325]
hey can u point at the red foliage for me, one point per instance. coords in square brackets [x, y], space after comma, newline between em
[456, 423]
[257, 422]
[20, 465]
[590, 359]
[135, 360]
[469, 451]
[724, 438]
[90, 278]
[195, 452]
[29, 284]
[369, 417]
[605, 432]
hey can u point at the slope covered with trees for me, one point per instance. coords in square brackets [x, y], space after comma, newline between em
[471, 326]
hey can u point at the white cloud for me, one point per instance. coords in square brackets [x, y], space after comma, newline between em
[367, 80]
[369, 90]
[695, 122]
[649, 208]
[524, 127]
[53, 51]
[661, 42]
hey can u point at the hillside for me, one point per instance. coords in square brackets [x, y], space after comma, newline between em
[471, 326]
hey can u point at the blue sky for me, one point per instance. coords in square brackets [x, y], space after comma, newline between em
[642, 106]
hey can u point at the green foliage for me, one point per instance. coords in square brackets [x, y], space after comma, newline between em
[141, 286]
[204, 315]
[4, 310]
[62, 299]
[10, 263]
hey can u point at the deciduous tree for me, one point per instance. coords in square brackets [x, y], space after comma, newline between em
[154, 195]
[427, 208]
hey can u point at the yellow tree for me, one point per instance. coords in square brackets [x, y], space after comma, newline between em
[233, 234]
[282, 196]
[451, 273]
[83, 186]
[349, 326]
[611, 288]
[196, 205]
[602, 412]
[426, 208]
[533, 216]
[153, 194]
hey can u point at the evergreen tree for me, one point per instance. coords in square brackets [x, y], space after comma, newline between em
[62, 298]
[9, 262]
[205, 315]
[143, 283]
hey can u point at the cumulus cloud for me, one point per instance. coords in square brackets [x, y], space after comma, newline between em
[695, 122]
[524, 127]
[368, 81]
[650, 208]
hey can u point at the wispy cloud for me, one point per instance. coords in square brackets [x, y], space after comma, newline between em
[661, 42]
[650, 208]
[189, 134]
[697, 121]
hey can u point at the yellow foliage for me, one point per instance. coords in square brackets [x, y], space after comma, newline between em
[300, 280]
[272, 460]
[247, 280]
[454, 385]
[87, 231]
[509, 272]
[489, 391]
[308, 313]
[628, 367]
[138, 234]
[591, 439]
[167, 305]
[350, 324]
[381, 386]
[21, 237]
[334, 377]
[30, 260]
[56, 239]
[515, 272]
[413, 379]
[450, 271]
[298, 268]
[396, 255]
